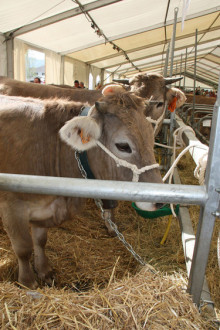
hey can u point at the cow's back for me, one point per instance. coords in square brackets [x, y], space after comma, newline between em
[25, 89]
[29, 140]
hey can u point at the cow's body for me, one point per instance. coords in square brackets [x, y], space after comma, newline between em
[149, 86]
[38, 137]
[19, 88]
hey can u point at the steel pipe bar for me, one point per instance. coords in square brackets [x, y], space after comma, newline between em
[188, 240]
[207, 212]
[118, 190]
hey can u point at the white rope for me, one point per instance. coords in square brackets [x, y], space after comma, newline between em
[165, 146]
[156, 122]
[200, 169]
[122, 162]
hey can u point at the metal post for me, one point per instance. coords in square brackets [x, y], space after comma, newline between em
[10, 56]
[102, 76]
[62, 69]
[210, 210]
[180, 69]
[194, 83]
[166, 61]
[184, 80]
[172, 115]
[173, 41]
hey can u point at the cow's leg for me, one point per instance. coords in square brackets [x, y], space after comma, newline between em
[109, 206]
[42, 267]
[19, 234]
[109, 214]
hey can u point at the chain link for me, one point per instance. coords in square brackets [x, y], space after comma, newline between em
[121, 237]
[111, 223]
[81, 168]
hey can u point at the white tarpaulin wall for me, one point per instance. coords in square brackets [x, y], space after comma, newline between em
[139, 32]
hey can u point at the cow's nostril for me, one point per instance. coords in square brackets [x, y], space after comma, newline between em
[159, 205]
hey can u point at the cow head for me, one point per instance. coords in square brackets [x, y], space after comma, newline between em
[117, 121]
[154, 87]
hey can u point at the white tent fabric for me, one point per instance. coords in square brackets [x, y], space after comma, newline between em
[52, 67]
[20, 49]
[120, 36]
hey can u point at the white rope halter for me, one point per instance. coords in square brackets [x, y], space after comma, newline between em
[122, 162]
[156, 122]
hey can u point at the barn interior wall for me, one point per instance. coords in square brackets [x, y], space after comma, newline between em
[3, 56]
[75, 70]
[54, 73]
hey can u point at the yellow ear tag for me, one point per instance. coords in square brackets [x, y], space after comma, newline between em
[172, 105]
[84, 139]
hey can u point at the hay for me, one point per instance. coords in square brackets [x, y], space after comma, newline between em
[99, 285]
[143, 301]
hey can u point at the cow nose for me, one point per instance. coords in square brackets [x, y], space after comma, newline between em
[159, 205]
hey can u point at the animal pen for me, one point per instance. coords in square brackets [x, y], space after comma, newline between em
[196, 247]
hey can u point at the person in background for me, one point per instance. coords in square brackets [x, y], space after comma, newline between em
[76, 84]
[37, 80]
[81, 84]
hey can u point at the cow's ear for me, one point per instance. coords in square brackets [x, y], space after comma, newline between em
[81, 133]
[111, 89]
[175, 98]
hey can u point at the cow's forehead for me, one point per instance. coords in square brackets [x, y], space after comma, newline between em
[130, 110]
[147, 77]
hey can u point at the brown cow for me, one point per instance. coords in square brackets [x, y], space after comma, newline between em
[150, 86]
[153, 86]
[19, 88]
[37, 137]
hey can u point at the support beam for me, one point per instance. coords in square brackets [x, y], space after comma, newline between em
[10, 57]
[59, 17]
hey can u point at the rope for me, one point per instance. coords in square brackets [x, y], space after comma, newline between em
[200, 169]
[167, 230]
[156, 122]
[122, 162]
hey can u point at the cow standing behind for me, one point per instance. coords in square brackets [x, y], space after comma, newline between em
[150, 86]
[38, 137]
[153, 87]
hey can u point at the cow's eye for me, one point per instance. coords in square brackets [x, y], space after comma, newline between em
[159, 104]
[124, 147]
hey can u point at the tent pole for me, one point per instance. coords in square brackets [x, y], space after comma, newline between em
[10, 56]
[172, 115]
[194, 83]
[184, 80]
[166, 61]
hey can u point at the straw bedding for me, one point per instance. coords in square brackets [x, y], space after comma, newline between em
[98, 283]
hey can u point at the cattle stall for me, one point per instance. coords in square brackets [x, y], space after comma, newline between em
[134, 286]
[206, 196]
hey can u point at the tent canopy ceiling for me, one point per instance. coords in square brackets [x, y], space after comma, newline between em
[139, 32]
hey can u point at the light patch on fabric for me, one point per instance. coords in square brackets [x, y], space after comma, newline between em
[172, 105]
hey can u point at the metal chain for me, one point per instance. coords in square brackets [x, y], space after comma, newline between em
[111, 223]
[121, 237]
[81, 168]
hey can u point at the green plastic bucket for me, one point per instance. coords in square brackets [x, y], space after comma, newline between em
[165, 210]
